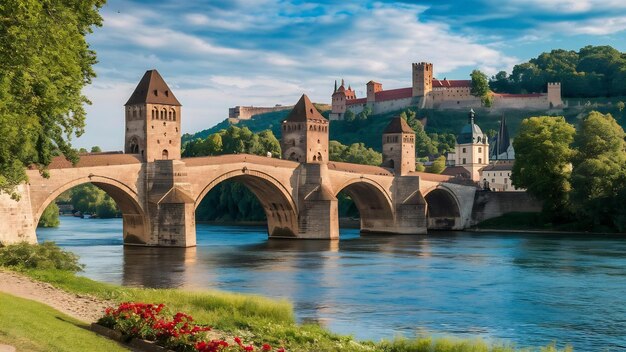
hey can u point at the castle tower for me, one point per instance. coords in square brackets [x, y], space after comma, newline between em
[472, 148]
[399, 147]
[305, 134]
[554, 95]
[153, 120]
[372, 89]
[422, 79]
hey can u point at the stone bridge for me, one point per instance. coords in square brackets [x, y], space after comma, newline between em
[158, 200]
[158, 191]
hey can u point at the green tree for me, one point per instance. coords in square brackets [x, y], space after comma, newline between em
[50, 216]
[599, 171]
[90, 199]
[419, 167]
[349, 116]
[542, 161]
[437, 166]
[480, 87]
[356, 153]
[96, 149]
[45, 62]
[620, 106]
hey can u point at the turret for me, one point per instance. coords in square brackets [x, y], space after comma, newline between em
[372, 89]
[472, 148]
[422, 79]
[399, 147]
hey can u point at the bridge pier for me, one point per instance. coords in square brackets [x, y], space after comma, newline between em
[318, 217]
[170, 206]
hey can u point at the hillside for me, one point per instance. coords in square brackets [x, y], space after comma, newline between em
[437, 121]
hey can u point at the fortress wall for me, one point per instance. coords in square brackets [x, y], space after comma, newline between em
[246, 112]
[521, 102]
[391, 105]
[472, 102]
[489, 205]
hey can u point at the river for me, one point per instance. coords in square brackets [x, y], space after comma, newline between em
[524, 288]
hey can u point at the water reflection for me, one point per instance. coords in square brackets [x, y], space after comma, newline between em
[528, 289]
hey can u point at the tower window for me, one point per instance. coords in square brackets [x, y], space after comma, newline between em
[174, 115]
[463, 150]
[156, 92]
[480, 160]
[167, 93]
[165, 154]
[464, 160]
[480, 150]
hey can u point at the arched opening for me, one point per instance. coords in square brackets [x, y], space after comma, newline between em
[91, 198]
[251, 196]
[165, 154]
[133, 145]
[367, 202]
[442, 210]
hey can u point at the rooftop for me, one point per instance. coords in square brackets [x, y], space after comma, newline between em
[152, 89]
[303, 111]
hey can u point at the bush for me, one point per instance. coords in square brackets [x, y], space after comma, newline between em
[43, 256]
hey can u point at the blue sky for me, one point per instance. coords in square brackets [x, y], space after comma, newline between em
[218, 54]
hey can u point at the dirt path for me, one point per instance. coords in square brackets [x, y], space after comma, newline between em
[82, 307]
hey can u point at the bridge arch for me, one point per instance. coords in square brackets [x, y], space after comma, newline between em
[278, 204]
[373, 202]
[135, 226]
[442, 209]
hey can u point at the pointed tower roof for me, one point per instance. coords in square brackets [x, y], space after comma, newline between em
[152, 89]
[304, 110]
[398, 125]
[503, 141]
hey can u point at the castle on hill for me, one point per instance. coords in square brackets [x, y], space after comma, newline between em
[429, 92]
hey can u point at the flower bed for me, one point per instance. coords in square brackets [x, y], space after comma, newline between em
[176, 332]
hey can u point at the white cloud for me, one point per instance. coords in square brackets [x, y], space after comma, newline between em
[257, 66]
[595, 26]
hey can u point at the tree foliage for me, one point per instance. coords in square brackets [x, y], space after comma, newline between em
[542, 160]
[590, 72]
[480, 87]
[599, 172]
[356, 153]
[50, 216]
[89, 199]
[45, 62]
[437, 166]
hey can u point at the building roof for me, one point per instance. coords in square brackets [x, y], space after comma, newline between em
[498, 167]
[303, 111]
[398, 125]
[470, 132]
[457, 171]
[454, 83]
[152, 89]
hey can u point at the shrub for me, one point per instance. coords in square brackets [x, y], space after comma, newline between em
[177, 332]
[43, 256]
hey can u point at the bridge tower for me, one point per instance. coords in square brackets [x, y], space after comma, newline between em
[399, 147]
[153, 116]
[305, 140]
[153, 120]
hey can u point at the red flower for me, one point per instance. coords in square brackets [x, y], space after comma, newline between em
[266, 347]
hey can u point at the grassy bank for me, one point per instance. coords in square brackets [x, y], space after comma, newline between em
[32, 326]
[256, 318]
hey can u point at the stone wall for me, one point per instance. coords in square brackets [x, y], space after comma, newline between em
[246, 112]
[489, 205]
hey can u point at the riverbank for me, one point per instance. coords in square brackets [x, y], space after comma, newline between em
[254, 318]
[521, 222]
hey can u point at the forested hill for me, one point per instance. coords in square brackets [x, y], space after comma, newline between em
[592, 71]
[439, 123]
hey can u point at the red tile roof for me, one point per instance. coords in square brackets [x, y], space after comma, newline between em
[356, 101]
[393, 94]
[451, 83]
[152, 89]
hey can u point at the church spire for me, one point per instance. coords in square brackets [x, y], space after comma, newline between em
[472, 114]
[502, 141]
[335, 91]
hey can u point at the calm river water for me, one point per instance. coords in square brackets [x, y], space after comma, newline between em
[528, 289]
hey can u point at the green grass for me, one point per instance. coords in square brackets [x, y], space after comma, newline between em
[256, 318]
[32, 326]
